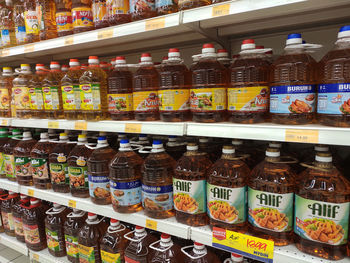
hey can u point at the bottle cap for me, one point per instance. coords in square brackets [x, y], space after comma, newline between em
[102, 141]
[23, 196]
[198, 246]
[146, 57]
[228, 149]
[208, 48]
[25, 67]
[323, 157]
[222, 53]
[293, 39]
[192, 147]
[236, 257]
[173, 53]
[344, 32]
[248, 44]
[237, 142]
[16, 131]
[120, 60]
[275, 145]
[203, 140]
[54, 65]
[65, 68]
[93, 60]
[139, 229]
[104, 64]
[73, 62]
[34, 201]
[7, 70]
[165, 237]
[92, 216]
[27, 135]
[157, 144]
[321, 148]
[44, 135]
[273, 152]
[56, 206]
[12, 193]
[63, 136]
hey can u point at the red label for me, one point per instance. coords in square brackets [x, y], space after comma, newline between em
[219, 233]
[256, 245]
[129, 260]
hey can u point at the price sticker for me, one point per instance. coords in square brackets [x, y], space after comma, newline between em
[151, 224]
[5, 52]
[68, 41]
[221, 10]
[36, 257]
[31, 192]
[72, 203]
[53, 125]
[4, 122]
[133, 127]
[245, 245]
[304, 136]
[156, 23]
[80, 125]
[106, 33]
[29, 48]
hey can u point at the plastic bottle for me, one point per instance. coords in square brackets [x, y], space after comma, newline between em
[36, 93]
[198, 253]
[4, 137]
[189, 184]
[145, 93]
[6, 212]
[175, 148]
[64, 19]
[93, 91]
[82, 16]
[157, 188]
[333, 105]
[19, 20]
[77, 168]
[138, 143]
[118, 12]
[174, 89]
[20, 92]
[98, 172]
[74, 222]
[165, 251]
[17, 213]
[7, 25]
[9, 159]
[270, 199]
[99, 12]
[142, 9]
[235, 258]
[209, 147]
[59, 164]
[5, 92]
[120, 102]
[227, 191]
[223, 57]
[209, 85]
[248, 95]
[165, 7]
[322, 210]
[189, 4]
[21, 153]
[31, 21]
[46, 12]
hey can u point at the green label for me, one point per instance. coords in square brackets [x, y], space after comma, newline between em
[22, 166]
[9, 161]
[78, 178]
[2, 164]
[86, 254]
[39, 98]
[51, 98]
[321, 222]
[59, 173]
[90, 96]
[270, 211]
[227, 204]
[108, 257]
[40, 168]
[68, 97]
[189, 196]
[72, 246]
[52, 240]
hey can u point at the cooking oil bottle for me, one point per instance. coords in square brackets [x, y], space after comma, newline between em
[322, 210]
[21, 153]
[223, 57]
[99, 13]
[7, 25]
[211, 148]
[333, 104]
[248, 95]
[199, 253]
[6, 80]
[209, 86]
[227, 191]
[17, 212]
[64, 20]
[20, 92]
[120, 104]
[157, 188]
[165, 250]
[4, 137]
[19, 20]
[36, 92]
[166, 7]
[46, 12]
[142, 9]
[118, 12]
[270, 199]
[9, 159]
[189, 4]
[98, 172]
[189, 184]
[175, 148]
[6, 212]
[93, 91]
[31, 21]
[82, 16]
[174, 88]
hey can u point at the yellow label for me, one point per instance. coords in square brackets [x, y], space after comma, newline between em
[107, 257]
[4, 99]
[145, 100]
[51, 98]
[242, 244]
[72, 203]
[133, 127]
[31, 22]
[68, 41]
[208, 99]
[248, 98]
[53, 124]
[174, 100]
[119, 102]
[90, 96]
[71, 97]
[305, 136]
[99, 11]
[117, 7]
[82, 17]
[31, 192]
[86, 254]
[36, 257]
[29, 48]
[80, 125]
[64, 21]
[155, 23]
[4, 122]
[151, 224]
[221, 10]
[106, 33]
[21, 95]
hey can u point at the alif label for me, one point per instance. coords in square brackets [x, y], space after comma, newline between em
[321, 221]
[271, 211]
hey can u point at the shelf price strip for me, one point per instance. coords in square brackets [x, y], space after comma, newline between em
[245, 245]
[304, 136]
[151, 224]
[153, 24]
[221, 10]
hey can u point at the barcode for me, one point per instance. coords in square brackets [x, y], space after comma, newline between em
[168, 107]
[220, 107]
[274, 103]
[322, 103]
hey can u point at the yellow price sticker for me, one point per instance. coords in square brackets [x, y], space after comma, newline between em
[4, 122]
[106, 33]
[53, 125]
[156, 23]
[68, 41]
[72, 203]
[36, 257]
[31, 192]
[80, 125]
[221, 10]
[305, 136]
[151, 224]
[5, 52]
[29, 48]
[133, 127]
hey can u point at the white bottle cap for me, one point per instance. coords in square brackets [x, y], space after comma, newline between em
[114, 222]
[173, 53]
[120, 60]
[146, 57]
[323, 159]
[319, 148]
[344, 32]
[74, 62]
[228, 150]
[7, 70]
[237, 142]
[208, 49]
[63, 136]
[275, 145]
[192, 147]
[294, 39]
[222, 53]
[272, 154]
[93, 60]
[203, 140]
[27, 135]
[55, 65]
[248, 44]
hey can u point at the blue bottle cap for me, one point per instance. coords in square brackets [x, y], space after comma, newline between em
[124, 141]
[142, 135]
[102, 138]
[294, 35]
[344, 28]
[157, 142]
[172, 136]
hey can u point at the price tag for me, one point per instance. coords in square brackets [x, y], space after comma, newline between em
[29, 48]
[36, 257]
[106, 33]
[305, 136]
[5, 53]
[151, 224]
[4, 122]
[53, 125]
[156, 23]
[133, 127]
[80, 125]
[68, 41]
[31, 192]
[72, 203]
[221, 10]
[245, 245]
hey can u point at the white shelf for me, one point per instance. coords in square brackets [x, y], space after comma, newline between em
[14, 244]
[9, 185]
[44, 256]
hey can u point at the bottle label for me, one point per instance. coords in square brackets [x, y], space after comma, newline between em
[333, 98]
[40, 169]
[52, 240]
[297, 99]
[22, 166]
[99, 187]
[21, 35]
[145, 101]
[2, 165]
[130, 260]
[174, 100]
[18, 226]
[86, 254]
[119, 102]
[5, 37]
[209, 99]
[40, 14]
[4, 99]
[21, 95]
[116, 7]
[78, 178]
[32, 99]
[189, 196]
[249, 99]
[126, 193]
[164, 3]
[72, 246]
[321, 222]
[39, 98]
[7, 220]
[270, 211]
[227, 205]
[68, 97]
[31, 234]
[64, 21]
[59, 173]
[90, 97]
[157, 197]
[9, 161]
[99, 11]
[51, 98]
[82, 17]
[137, 6]
[107, 257]
[31, 22]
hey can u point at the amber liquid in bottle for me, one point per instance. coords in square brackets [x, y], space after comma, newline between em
[46, 11]
[199, 253]
[18, 17]
[36, 93]
[31, 21]
[189, 4]
[165, 250]
[4, 137]
[17, 211]
[9, 159]
[63, 16]
[6, 212]
[20, 92]
[82, 16]
[209, 147]
[6, 92]
[7, 25]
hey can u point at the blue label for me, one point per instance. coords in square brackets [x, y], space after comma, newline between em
[126, 193]
[163, 3]
[157, 197]
[5, 37]
[99, 187]
[138, 6]
[334, 98]
[295, 99]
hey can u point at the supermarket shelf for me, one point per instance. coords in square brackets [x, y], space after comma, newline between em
[44, 256]
[9, 185]
[14, 244]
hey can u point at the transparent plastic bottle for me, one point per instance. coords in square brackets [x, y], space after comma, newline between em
[139, 142]
[64, 19]
[145, 93]
[209, 86]
[21, 153]
[174, 89]
[165, 7]
[211, 148]
[4, 137]
[189, 4]
[17, 212]
[175, 148]
[189, 184]
[93, 91]
[198, 253]
[20, 26]
[157, 188]
[223, 57]
[6, 80]
[165, 251]
[31, 21]
[118, 12]
[6, 212]
[142, 9]
[9, 159]
[236, 258]
[99, 12]
[36, 92]
[120, 102]
[248, 95]
[7, 25]
[98, 172]
[46, 12]
[82, 16]
[20, 92]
